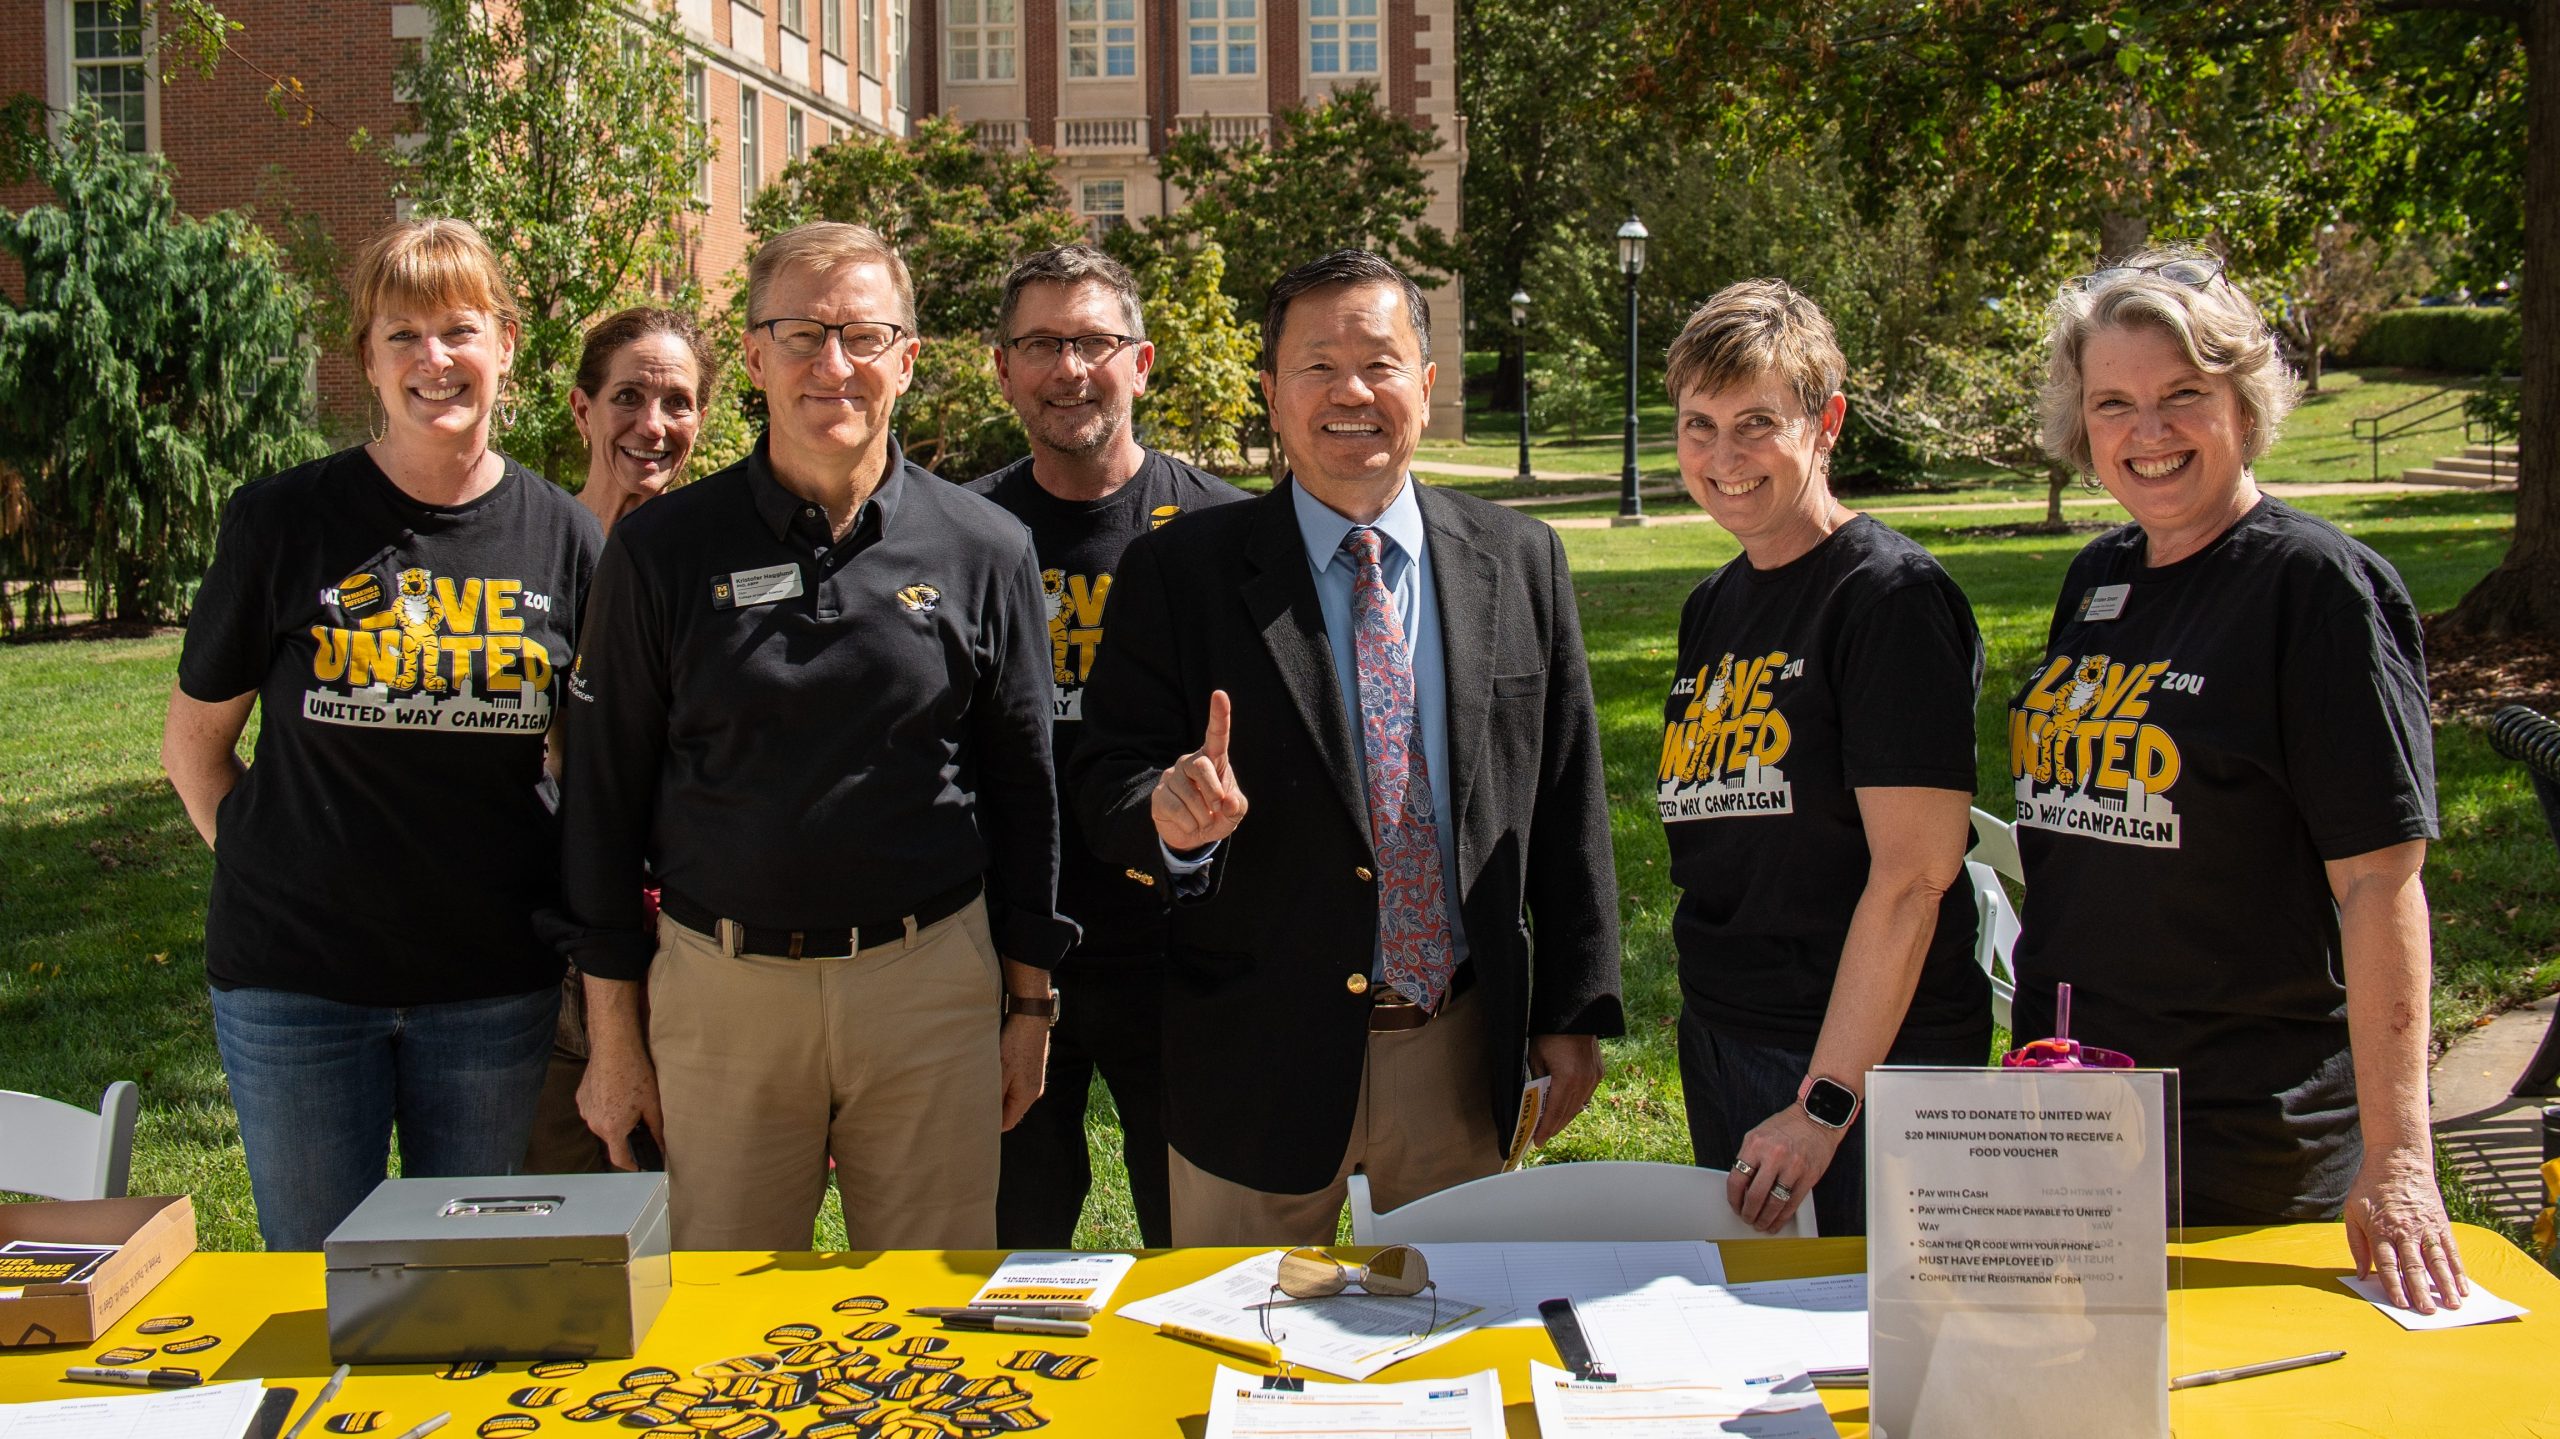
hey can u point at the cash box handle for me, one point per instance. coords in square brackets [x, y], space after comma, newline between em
[528, 1204]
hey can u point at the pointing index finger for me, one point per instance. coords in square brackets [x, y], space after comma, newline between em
[1213, 747]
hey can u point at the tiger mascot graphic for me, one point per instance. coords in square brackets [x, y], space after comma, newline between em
[2053, 752]
[421, 619]
[1708, 710]
[1053, 588]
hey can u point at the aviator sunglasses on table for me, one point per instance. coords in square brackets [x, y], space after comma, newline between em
[1395, 1272]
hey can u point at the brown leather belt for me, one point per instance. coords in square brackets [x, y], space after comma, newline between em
[817, 944]
[1392, 1013]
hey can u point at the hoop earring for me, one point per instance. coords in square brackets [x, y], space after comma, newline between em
[507, 413]
[378, 420]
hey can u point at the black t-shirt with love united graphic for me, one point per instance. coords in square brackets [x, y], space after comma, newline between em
[387, 844]
[2198, 739]
[1854, 666]
[1079, 543]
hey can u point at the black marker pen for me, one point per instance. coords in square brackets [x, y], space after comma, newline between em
[136, 1378]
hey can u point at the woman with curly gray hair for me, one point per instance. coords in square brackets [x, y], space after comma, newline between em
[2225, 784]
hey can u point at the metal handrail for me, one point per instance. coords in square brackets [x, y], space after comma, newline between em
[2369, 428]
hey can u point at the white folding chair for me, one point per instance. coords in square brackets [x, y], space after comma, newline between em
[1595, 1200]
[62, 1151]
[1994, 857]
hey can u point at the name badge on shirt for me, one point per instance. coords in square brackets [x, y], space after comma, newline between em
[2103, 602]
[755, 587]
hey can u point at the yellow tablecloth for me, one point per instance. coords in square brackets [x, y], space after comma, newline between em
[2247, 1295]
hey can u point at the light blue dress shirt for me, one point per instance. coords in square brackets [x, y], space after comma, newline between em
[1405, 565]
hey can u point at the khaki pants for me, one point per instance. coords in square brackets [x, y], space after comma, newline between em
[1421, 1127]
[885, 1061]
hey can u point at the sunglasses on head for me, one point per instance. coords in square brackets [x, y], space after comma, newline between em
[2194, 272]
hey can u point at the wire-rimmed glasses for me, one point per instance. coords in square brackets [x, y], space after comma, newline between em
[1307, 1275]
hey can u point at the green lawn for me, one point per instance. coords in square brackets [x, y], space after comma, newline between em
[2319, 445]
[101, 959]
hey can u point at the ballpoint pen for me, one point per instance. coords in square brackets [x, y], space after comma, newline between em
[2251, 1371]
[426, 1427]
[1019, 1311]
[328, 1392]
[1240, 1348]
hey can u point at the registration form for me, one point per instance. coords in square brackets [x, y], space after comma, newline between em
[1244, 1406]
[1570, 1408]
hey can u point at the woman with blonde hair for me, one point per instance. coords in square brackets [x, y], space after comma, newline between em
[405, 612]
[2225, 784]
[1816, 769]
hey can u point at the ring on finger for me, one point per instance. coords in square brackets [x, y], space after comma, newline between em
[1745, 1168]
[1781, 1193]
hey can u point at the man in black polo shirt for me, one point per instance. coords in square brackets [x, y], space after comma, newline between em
[812, 705]
[1072, 354]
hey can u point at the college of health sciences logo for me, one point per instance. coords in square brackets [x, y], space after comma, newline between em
[434, 653]
[2085, 760]
[1720, 757]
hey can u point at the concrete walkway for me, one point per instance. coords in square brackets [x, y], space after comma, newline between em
[2076, 501]
[2496, 1141]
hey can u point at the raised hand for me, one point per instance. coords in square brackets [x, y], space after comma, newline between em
[1197, 801]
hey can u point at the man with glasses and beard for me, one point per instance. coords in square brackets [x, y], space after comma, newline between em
[815, 706]
[1072, 354]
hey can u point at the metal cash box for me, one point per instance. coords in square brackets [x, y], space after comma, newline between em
[536, 1266]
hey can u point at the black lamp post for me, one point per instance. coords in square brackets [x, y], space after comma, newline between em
[1520, 327]
[1631, 238]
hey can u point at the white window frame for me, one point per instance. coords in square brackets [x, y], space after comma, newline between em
[1335, 28]
[795, 133]
[970, 28]
[63, 68]
[1101, 35]
[831, 27]
[795, 17]
[750, 145]
[1103, 211]
[866, 36]
[697, 113]
[902, 53]
[1229, 30]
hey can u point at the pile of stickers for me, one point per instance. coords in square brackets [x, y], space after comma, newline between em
[867, 1388]
[129, 1355]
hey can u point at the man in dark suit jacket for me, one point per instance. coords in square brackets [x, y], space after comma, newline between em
[1391, 679]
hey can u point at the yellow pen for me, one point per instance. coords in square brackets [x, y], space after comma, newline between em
[1241, 1348]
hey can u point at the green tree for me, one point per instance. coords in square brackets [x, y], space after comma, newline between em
[558, 128]
[1569, 386]
[1344, 173]
[155, 365]
[960, 214]
[1202, 392]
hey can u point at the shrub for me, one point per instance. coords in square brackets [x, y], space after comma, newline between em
[2452, 339]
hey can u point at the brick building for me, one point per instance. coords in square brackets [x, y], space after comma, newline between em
[1100, 82]
[770, 83]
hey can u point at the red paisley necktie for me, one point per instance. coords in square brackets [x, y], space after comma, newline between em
[1413, 911]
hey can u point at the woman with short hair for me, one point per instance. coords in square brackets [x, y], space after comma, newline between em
[1815, 778]
[404, 611]
[2225, 784]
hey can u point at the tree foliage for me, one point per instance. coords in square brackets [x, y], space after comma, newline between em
[558, 128]
[1569, 386]
[155, 365]
[1202, 392]
[1343, 173]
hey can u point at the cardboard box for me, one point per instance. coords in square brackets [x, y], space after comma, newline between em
[151, 1234]
[529, 1266]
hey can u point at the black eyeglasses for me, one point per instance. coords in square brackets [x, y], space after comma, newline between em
[1092, 349]
[801, 339]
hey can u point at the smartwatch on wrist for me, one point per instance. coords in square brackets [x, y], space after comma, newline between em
[1827, 1101]
[1036, 1006]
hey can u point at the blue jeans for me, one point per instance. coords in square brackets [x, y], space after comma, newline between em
[1732, 1086]
[319, 1086]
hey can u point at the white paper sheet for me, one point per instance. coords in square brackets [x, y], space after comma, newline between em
[1469, 1408]
[1570, 1408]
[1056, 1278]
[1354, 1335]
[2478, 1307]
[1519, 1277]
[1747, 1336]
[216, 1411]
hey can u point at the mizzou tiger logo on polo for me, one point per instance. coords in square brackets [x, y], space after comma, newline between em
[920, 597]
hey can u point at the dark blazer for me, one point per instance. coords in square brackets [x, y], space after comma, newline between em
[1264, 1039]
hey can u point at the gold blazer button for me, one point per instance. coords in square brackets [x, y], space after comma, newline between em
[1357, 984]
[1362, 873]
